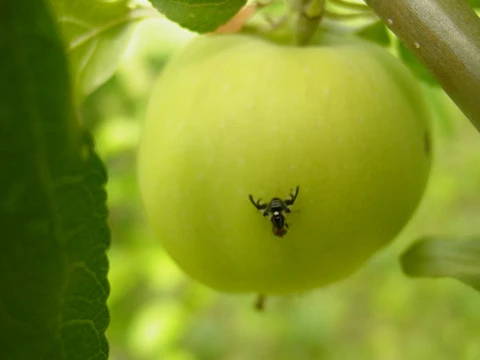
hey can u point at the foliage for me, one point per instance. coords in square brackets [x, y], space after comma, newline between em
[95, 34]
[474, 3]
[375, 32]
[52, 203]
[199, 15]
[442, 257]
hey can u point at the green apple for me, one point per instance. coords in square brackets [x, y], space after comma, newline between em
[234, 115]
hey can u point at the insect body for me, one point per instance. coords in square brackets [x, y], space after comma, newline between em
[275, 208]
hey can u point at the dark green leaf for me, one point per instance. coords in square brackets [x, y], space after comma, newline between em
[474, 3]
[415, 65]
[376, 32]
[199, 15]
[432, 257]
[53, 266]
[96, 33]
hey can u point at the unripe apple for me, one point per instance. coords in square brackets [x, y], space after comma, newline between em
[234, 115]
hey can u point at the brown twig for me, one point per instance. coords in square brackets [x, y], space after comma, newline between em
[445, 36]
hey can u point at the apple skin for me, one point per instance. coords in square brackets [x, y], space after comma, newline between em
[234, 115]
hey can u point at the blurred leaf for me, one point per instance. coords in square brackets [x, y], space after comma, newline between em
[432, 257]
[474, 3]
[443, 109]
[199, 15]
[415, 65]
[96, 33]
[376, 32]
[53, 267]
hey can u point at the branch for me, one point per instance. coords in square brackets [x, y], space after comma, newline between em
[445, 35]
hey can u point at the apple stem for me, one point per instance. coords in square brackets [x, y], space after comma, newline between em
[260, 302]
[307, 16]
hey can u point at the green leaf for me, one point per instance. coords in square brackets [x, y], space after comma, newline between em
[432, 257]
[96, 34]
[53, 266]
[415, 65]
[199, 15]
[376, 32]
[474, 3]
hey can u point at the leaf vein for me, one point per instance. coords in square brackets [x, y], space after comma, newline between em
[132, 16]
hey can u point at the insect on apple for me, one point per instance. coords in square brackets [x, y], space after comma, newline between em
[275, 209]
[349, 125]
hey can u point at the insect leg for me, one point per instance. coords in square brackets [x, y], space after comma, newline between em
[257, 203]
[293, 196]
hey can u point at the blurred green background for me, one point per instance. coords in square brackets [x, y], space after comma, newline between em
[378, 313]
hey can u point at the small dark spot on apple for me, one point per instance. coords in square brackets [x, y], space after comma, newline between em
[427, 143]
[260, 302]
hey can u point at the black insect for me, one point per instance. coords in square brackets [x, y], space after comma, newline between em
[275, 208]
